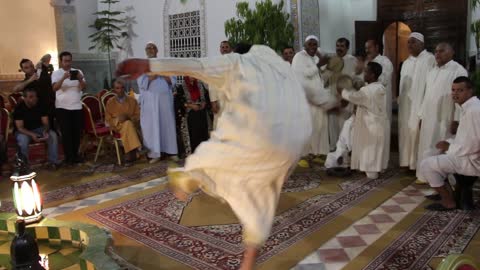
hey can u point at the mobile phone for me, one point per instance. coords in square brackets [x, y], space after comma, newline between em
[73, 75]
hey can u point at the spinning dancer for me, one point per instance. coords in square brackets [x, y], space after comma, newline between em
[260, 135]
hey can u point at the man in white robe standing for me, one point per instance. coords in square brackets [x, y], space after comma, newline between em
[460, 155]
[437, 111]
[259, 137]
[413, 78]
[372, 49]
[306, 65]
[338, 116]
[371, 125]
[157, 115]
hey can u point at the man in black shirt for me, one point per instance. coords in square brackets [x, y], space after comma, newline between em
[31, 124]
[40, 80]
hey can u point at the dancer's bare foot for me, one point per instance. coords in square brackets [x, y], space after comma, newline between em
[249, 257]
[180, 195]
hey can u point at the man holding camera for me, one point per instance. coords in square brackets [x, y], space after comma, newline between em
[68, 84]
[31, 124]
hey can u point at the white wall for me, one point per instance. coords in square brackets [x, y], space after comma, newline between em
[28, 30]
[149, 17]
[337, 19]
[84, 10]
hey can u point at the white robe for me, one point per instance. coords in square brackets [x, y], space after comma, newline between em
[463, 155]
[371, 128]
[437, 110]
[343, 146]
[386, 79]
[413, 78]
[259, 137]
[217, 96]
[320, 99]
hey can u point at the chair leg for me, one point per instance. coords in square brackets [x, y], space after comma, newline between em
[117, 149]
[98, 149]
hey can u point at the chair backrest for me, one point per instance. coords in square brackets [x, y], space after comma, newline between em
[88, 122]
[12, 102]
[5, 122]
[102, 93]
[95, 108]
[105, 100]
[2, 102]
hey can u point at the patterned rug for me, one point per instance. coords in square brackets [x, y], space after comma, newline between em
[154, 220]
[96, 186]
[435, 234]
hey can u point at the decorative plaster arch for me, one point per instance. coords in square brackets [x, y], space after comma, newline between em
[166, 26]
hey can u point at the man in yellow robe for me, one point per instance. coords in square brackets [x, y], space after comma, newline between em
[122, 114]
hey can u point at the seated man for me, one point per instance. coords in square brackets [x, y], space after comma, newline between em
[123, 115]
[31, 124]
[459, 156]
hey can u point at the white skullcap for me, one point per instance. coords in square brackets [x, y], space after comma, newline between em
[417, 36]
[151, 42]
[311, 37]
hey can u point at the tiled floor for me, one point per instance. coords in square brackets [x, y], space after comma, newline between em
[334, 254]
[347, 245]
[79, 204]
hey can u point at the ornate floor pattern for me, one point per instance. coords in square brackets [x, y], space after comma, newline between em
[435, 234]
[154, 221]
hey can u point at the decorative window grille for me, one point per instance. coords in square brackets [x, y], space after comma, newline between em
[185, 34]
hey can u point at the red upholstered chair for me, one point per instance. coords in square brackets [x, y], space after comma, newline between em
[102, 93]
[95, 108]
[2, 102]
[99, 132]
[105, 100]
[5, 123]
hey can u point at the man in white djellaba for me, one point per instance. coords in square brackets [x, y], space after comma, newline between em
[306, 65]
[258, 139]
[371, 126]
[437, 112]
[460, 155]
[413, 78]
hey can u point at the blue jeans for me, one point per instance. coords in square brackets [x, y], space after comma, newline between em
[24, 140]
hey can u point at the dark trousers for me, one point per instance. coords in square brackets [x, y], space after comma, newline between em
[70, 124]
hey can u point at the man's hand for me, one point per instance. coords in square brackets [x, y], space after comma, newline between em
[66, 75]
[454, 127]
[122, 118]
[80, 76]
[443, 146]
[37, 139]
[32, 78]
[45, 134]
[133, 68]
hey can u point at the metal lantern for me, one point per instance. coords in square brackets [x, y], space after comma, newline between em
[26, 195]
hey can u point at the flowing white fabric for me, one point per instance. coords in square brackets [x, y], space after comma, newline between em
[437, 110]
[259, 137]
[463, 155]
[343, 146]
[371, 128]
[320, 99]
[413, 78]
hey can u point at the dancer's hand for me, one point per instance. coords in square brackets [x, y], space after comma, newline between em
[133, 68]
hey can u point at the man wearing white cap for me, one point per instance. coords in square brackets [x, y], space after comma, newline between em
[437, 111]
[306, 64]
[157, 116]
[413, 78]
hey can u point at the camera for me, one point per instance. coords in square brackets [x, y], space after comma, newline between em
[73, 75]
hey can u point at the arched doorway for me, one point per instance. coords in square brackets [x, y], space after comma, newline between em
[395, 39]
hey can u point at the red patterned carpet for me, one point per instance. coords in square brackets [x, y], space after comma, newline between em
[154, 220]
